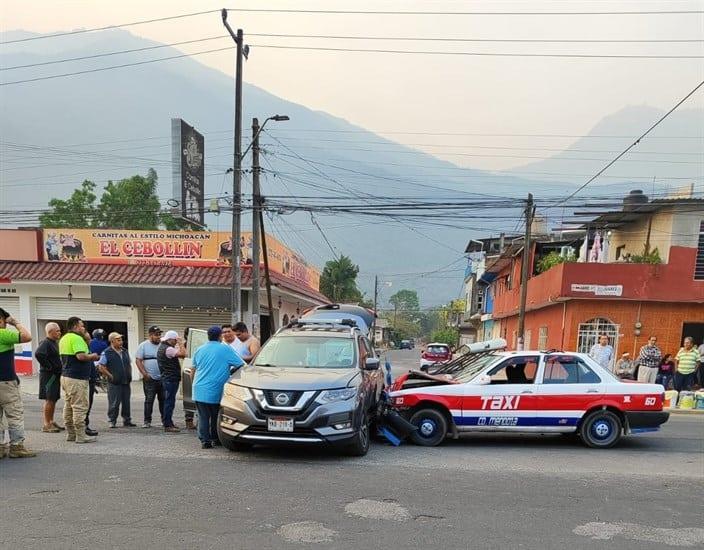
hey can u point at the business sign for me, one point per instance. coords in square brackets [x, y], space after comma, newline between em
[599, 290]
[188, 173]
[169, 248]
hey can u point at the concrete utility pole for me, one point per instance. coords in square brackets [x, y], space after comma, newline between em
[376, 298]
[272, 324]
[256, 210]
[529, 212]
[236, 284]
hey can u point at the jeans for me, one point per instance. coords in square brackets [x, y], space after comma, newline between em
[664, 380]
[684, 382]
[119, 400]
[207, 421]
[153, 389]
[91, 392]
[170, 392]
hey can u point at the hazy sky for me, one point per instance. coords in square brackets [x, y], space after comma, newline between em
[429, 93]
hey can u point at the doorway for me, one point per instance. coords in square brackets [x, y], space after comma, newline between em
[695, 330]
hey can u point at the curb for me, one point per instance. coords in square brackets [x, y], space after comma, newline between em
[685, 411]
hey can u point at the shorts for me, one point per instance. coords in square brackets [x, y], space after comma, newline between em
[49, 386]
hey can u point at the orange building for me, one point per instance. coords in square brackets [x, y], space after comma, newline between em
[571, 303]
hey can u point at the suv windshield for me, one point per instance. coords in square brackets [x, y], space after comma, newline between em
[307, 351]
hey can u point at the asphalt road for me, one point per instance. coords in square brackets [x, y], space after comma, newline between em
[139, 488]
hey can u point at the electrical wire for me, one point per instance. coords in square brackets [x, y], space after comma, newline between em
[469, 13]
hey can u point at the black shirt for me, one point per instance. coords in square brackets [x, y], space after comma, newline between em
[170, 367]
[47, 355]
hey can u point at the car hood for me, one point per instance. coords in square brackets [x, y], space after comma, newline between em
[293, 378]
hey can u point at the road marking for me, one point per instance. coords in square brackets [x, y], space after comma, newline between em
[377, 509]
[680, 536]
[306, 532]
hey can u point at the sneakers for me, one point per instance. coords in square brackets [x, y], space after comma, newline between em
[113, 425]
[129, 424]
[81, 438]
[172, 429]
[70, 436]
[50, 429]
[60, 428]
[91, 432]
[190, 425]
[206, 445]
[20, 451]
[4, 450]
[147, 425]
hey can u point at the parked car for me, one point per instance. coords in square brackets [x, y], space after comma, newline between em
[529, 391]
[437, 352]
[316, 382]
[406, 344]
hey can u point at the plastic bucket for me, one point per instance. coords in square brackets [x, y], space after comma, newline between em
[686, 400]
[699, 400]
[670, 399]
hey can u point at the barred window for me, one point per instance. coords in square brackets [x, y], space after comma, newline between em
[699, 264]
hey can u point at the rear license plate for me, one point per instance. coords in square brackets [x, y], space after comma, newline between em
[279, 424]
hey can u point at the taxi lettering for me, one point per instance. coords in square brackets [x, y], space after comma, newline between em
[500, 402]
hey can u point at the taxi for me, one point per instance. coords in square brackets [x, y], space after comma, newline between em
[526, 392]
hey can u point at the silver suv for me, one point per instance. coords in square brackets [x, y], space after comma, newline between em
[315, 382]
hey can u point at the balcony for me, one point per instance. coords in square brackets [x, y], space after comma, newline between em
[670, 282]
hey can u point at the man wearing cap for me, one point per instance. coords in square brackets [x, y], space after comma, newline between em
[625, 367]
[151, 377]
[211, 365]
[115, 363]
[170, 351]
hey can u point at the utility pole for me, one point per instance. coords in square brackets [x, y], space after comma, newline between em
[236, 284]
[529, 212]
[376, 298]
[256, 199]
[272, 324]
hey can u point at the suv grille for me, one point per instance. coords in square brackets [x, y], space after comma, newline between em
[279, 398]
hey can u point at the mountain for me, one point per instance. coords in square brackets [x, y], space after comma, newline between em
[115, 123]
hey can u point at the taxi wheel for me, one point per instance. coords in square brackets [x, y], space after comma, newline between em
[431, 427]
[601, 429]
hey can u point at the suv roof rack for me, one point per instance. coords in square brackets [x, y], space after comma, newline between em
[351, 323]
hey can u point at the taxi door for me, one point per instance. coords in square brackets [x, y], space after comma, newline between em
[508, 401]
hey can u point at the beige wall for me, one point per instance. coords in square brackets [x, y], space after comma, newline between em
[18, 245]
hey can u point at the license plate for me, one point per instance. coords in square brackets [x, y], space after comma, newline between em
[279, 424]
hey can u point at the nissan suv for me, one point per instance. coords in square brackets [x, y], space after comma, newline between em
[315, 382]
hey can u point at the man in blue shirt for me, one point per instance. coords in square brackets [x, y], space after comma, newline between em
[211, 365]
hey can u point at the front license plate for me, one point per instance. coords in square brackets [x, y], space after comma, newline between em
[278, 424]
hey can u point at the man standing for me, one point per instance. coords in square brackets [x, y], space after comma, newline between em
[96, 345]
[649, 361]
[602, 352]
[47, 355]
[115, 363]
[10, 397]
[170, 351]
[211, 366]
[151, 377]
[686, 364]
[77, 363]
[228, 336]
[245, 344]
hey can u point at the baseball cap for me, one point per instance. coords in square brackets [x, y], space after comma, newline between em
[214, 332]
[170, 335]
[154, 329]
[114, 335]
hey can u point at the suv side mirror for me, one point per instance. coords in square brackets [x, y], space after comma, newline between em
[372, 363]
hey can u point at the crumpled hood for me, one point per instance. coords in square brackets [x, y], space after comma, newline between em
[293, 378]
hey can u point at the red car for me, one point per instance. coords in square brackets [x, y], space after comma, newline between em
[437, 352]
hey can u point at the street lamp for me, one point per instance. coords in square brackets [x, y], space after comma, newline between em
[258, 225]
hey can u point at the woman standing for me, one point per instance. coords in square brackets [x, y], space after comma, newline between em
[666, 371]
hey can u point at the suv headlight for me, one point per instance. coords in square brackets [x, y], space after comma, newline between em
[237, 392]
[331, 396]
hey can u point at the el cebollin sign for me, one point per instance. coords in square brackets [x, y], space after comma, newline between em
[167, 248]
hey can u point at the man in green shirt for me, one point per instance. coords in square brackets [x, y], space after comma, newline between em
[77, 362]
[10, 397]
[686, 365]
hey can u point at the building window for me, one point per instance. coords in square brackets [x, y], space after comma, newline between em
[589, 333]
[480, 299]
[543, 338]
[620, 251]
[699, 264]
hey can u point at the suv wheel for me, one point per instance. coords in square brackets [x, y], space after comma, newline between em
[601, 429]
[431, 427]
[360, 445]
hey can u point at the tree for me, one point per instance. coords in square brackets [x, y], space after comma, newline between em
[131, 203]
[405, 301]
[339, 280]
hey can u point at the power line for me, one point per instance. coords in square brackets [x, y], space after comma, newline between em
[131, 24]
[456, 13]
[636, 142]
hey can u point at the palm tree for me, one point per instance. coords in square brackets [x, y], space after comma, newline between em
[339, 280]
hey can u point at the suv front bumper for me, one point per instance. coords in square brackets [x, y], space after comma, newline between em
[246, 422]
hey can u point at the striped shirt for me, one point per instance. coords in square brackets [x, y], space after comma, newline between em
[687, 361]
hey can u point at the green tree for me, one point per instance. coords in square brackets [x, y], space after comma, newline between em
[131, 203]
[448, 335]
[339, 281]
[405, 301]
[79, 210]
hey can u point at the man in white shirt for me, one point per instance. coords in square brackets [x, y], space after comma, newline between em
[245, 344]
[602, 352]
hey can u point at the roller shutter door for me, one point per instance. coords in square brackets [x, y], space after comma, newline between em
[11, 305]
[178, 319]
[61, 309]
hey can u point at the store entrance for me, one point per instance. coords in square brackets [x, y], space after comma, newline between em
[695, 330]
